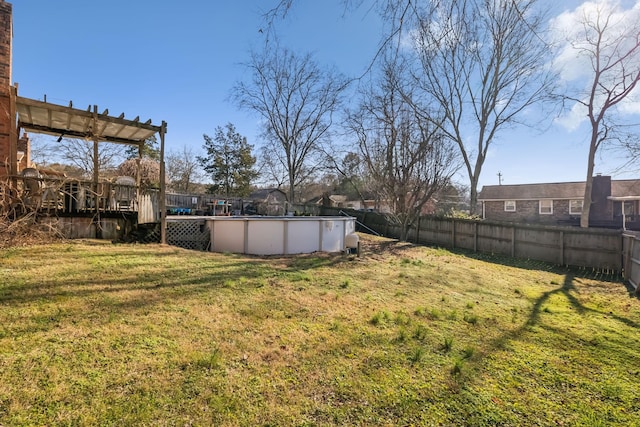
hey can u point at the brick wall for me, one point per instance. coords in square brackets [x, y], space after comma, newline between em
[528, 211]
[6, 36]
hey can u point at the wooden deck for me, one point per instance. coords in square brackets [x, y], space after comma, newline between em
[73, 197]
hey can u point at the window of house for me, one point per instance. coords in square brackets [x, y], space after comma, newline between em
[546, 207]
[510, 205]
[575, 207]
[629, 208]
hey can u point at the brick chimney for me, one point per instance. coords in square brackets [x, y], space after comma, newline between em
[601, 208]
[8, 149]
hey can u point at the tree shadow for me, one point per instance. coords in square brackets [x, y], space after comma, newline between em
[566, 290]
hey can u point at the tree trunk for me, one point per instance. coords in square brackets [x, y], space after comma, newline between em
[473, 202]
[588, 187]
[586, 203]
[291, 189]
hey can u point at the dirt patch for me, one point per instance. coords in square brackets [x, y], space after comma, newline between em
[378, 246]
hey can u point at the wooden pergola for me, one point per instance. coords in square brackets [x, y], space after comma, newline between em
[91, 125]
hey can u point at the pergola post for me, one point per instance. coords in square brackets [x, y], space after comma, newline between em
[139, 174]
[96, 176]
[162, 201]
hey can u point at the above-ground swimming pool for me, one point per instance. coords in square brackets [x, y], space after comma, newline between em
[277, 235]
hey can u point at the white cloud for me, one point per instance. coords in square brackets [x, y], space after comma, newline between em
[573, 61]
[631, 105]
[572, 119]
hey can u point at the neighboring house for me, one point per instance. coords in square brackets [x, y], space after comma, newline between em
[616, 203]
[342, 201]
[336, 201]
[268, 201]
[441, 203]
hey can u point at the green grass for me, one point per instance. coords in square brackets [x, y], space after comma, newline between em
[93, 333]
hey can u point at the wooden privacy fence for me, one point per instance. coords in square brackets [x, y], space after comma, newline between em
[599, 249]
[631, 258]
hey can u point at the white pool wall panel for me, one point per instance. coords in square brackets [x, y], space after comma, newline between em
[229, 236]
[302, 237]
[265, 237]
[279, 235]
[332, 235]
[350, 227]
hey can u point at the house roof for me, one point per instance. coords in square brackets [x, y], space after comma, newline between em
[264, 193]
[625, 188]
[335, 198]
[554, 190]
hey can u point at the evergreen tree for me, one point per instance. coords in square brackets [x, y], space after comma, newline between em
[229, 162]
[150, 149]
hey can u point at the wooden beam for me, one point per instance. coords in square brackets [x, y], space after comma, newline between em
[69, 116]
[75, 134]
[81, 113]
[37, 116]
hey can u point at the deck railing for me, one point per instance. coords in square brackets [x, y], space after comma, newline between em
[68, 196]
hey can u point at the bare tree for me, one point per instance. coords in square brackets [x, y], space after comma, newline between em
[81, 153]
[353, 177]
[406, 155]
[296, 100]
[182, 170]
[604, 40]
[270, 168]
[483, 64]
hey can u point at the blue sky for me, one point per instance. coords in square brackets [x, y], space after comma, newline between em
[172, 61]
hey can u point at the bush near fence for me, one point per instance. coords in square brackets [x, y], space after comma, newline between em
[597, 249]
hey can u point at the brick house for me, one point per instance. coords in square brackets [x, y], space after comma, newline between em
[616, 203]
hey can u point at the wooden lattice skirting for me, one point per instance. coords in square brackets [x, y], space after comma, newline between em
[188, 234]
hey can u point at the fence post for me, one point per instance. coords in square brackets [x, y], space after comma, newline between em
[418, 231]
[453, 233]
[562, 248]
[475, 236]
[626, 256]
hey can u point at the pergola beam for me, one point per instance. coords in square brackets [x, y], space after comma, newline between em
[39, 116]
[75, 134]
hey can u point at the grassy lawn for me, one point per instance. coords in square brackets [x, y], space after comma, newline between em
[94, 333]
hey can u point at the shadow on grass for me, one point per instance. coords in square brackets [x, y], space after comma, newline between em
[567, 290]
[123, 281]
